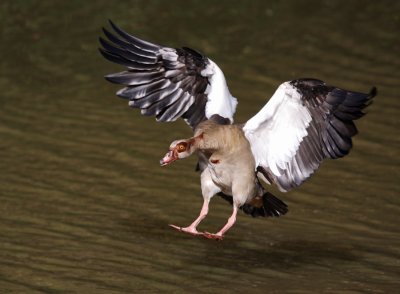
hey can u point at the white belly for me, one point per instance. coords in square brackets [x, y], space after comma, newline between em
[221, 175]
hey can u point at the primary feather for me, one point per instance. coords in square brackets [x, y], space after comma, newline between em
[165, 82]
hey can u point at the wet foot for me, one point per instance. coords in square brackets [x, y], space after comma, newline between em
[213, 236]
[189, 230]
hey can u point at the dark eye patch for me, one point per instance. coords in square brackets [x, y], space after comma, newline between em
[182, 146]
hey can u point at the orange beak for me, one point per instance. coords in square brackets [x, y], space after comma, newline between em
[170, 157]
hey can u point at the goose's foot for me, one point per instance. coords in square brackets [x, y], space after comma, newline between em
[220, 235]
[190, 230]
[217, 236]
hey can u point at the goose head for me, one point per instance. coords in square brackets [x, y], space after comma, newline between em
[177, 150]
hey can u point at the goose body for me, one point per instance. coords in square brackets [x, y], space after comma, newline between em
[227, 159]
[304, 122]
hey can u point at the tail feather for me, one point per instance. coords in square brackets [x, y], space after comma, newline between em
[269, 206]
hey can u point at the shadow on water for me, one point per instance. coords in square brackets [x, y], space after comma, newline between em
[281, 255]
[238, 253]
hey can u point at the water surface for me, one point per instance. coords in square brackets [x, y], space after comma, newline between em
[85, 206]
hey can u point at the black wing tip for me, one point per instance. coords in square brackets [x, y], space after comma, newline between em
[142, 59]
[102, 41]
[306, 82]
[102, 51]
[105, 31]
[107, 55]
[116, 28]
[111, 79]
[312, 82]
[112, 23]
[194, 52]
[272, 206]
[142, 44]
[119, 31]
[368, 101]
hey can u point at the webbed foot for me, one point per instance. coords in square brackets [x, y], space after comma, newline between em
[189, 230]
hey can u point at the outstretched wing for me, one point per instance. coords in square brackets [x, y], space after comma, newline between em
[304, 122]
[165, 82]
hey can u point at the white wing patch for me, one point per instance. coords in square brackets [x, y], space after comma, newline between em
[276, 131]
[303, 123]
[219, 99]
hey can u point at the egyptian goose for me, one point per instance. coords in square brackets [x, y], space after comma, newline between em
[304, 122]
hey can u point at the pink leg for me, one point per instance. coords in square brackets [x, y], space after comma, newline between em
[192, 229]
[228, 225]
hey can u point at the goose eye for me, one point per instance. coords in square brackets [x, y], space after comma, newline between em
[181, 147]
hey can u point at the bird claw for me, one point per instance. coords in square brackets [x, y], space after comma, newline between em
[213, 236]
[194, 232]
[188, 230]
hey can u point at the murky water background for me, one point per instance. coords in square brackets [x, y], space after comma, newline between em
[84, 205]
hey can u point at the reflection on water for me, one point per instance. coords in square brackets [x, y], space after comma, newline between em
[85, 206]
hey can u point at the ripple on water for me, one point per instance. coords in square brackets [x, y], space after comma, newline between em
[85, 206]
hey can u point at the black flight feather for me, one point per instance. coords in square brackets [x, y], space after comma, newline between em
[161, 81]
[329, 134]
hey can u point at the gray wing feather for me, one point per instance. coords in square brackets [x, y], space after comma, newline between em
[161, 81]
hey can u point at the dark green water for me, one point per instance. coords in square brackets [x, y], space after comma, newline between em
[84, 205]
